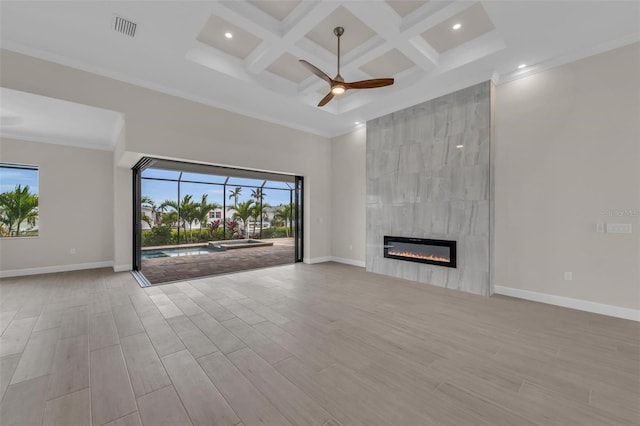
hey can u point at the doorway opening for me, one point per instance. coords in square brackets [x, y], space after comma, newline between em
[194, 220]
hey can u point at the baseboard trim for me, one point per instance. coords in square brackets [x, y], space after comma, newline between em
[312, 260]
[566, 302]
[54, 269]
[359, 263]
[122, 268]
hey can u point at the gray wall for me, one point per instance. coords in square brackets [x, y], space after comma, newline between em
[420, 185]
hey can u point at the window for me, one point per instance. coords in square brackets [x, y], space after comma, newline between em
[18, 200]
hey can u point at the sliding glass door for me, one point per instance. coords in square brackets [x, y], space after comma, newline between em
[185, 209]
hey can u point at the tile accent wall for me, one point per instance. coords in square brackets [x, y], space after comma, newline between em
[420, 184]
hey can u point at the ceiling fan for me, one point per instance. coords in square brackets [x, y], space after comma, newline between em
[338, 85]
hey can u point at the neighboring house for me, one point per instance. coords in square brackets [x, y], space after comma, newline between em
[215, 214]
[147, 212]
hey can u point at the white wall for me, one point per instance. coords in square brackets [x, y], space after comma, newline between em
[122, 206]
[75, 205]
[166, 126]
[567, 152]
[567, 145]
[348, 197]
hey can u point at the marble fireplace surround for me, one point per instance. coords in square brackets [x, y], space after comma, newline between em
[429, 175]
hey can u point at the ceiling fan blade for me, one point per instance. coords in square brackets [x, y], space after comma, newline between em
[369, 84]
[326, 99]
[315, 70]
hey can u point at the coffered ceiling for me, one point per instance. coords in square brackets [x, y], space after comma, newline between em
[430, 47]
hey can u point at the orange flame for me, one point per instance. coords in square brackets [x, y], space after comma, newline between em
[419, 256]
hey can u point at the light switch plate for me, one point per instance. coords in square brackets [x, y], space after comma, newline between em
[619, 228]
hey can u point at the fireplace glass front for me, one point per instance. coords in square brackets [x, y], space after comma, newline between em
[422, 250]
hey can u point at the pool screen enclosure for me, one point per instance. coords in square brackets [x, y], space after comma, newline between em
[194, 205]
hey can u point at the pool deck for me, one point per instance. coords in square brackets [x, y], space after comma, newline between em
[168, 269]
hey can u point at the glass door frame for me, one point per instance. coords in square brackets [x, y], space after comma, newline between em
[298, 219]
[147, 162]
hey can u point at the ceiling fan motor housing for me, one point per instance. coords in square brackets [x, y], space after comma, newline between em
[337, 84]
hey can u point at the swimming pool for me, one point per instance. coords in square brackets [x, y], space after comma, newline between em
[179, 251]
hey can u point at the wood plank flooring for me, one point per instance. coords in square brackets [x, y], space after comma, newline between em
[324, 344]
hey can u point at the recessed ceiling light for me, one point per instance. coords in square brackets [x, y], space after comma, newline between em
[457, 26]
[459, 146]
[357, 122]
[228, 35]
[521, 66]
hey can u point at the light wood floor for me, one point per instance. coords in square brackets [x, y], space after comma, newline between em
[305, 345]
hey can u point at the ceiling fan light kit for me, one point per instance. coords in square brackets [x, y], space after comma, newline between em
[338, 89]
[337, 84]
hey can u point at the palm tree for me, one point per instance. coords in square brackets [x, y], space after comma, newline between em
[284, 213]
[188, 213]
[185, 211]
[235, 193]
[170, 218]
[18, 206]
[169, 203]
[202, 210]
[258, 195]
[244, 211]
[146, 200]
[172, 215]
[257, 211]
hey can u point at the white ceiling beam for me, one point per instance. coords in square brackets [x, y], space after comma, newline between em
[306, 16]
[222, 62]
[425, 49]
[431, 15]
[478, 48]
[377, 16]
[247, 16]
[219, 61]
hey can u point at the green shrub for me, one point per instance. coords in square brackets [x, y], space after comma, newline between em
[157, 236]
[201, 235]
[219, 234]
[162, 235]
[274, 232]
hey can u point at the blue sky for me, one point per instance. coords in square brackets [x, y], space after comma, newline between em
[159, 191]
[10, 178]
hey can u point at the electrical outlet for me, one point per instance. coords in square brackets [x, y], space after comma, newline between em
[72, 251]
[568, 276]
[350, 247]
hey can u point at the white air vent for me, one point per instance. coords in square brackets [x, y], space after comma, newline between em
[124, 26]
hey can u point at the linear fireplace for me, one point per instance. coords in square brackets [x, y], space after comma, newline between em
[421, 250]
